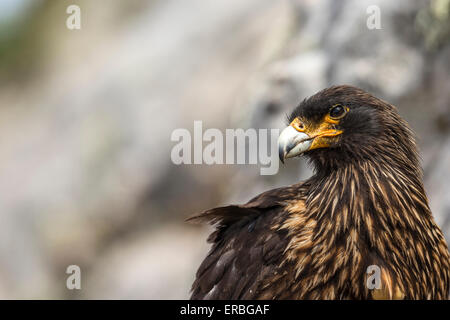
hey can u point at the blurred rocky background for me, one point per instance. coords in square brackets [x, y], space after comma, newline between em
[86, 118]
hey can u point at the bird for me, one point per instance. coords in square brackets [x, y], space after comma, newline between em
[359, 228]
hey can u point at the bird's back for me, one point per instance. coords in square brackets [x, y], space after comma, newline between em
[274, 247]
[246, 250]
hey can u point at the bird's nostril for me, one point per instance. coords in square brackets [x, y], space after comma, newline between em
[298, 125]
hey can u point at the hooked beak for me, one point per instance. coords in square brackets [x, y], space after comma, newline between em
[299, 137]
[292, 143]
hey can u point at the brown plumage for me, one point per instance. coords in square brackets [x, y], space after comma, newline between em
[365, 205]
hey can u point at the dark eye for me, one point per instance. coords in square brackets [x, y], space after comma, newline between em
[337, 111]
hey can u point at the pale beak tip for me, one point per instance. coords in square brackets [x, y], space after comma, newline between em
[292, 143]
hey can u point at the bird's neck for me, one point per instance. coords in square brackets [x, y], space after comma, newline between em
[370, 197]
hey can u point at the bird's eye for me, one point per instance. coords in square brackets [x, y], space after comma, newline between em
[338, 111]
